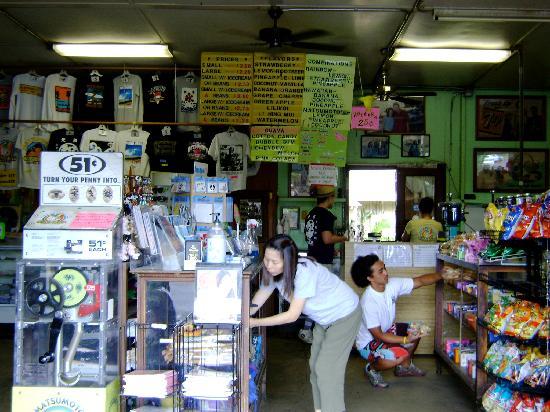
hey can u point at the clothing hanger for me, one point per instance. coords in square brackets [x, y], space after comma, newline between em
[32, 72]
[231, 129]
[190, 75]
[102, 130]
[134, 131]
[166, 131]
[125, 73]
[94, 72]
[63, 74]
[37, 130]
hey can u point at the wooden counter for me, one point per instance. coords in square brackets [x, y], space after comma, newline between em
[419, 306]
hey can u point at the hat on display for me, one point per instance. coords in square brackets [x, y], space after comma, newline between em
[322, 190]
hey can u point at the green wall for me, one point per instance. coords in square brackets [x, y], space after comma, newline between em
[450, 122]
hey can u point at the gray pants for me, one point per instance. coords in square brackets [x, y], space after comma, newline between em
[329, 356]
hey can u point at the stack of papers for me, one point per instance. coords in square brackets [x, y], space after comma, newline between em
[208, 384]
[148, 383]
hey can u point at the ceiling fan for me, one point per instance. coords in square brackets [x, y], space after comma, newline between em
[384, 92]
[276, 36]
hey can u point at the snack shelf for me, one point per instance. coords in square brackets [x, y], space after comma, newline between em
[464, 321]
[543, 391]
[528, 290]
[457, 262]
[453, 285]
[536, 341]
[461, 372]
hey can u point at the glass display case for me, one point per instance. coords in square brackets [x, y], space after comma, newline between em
[66, 324]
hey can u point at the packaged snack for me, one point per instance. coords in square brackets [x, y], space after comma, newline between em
[511, 221]
[527, 222]
[489, 216]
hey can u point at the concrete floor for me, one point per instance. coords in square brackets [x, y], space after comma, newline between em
[288, 388]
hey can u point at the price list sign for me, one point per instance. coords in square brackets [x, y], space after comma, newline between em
[226, 88]
[275, 144]
[328, 92]
[323, 146]
[278, 88]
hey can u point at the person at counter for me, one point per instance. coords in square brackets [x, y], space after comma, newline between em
[312, 289]
[320, 238]
[380, 341]
[425, 228]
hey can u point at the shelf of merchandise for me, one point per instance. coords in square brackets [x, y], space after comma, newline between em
[250, 283]
[460, 319]
[512, 277]
[10, 252]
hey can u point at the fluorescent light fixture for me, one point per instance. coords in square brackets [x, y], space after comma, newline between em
[492, 15]
[112, 50]
[404, 54]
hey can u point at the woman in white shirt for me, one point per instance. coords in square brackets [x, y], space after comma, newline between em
[313, 290]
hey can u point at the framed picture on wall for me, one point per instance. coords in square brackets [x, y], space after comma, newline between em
[402, 116]
[375, 146]
[415, 145]
[252, 209]
[298, 180]
[497, 118]
[293, 216]
[499, 170]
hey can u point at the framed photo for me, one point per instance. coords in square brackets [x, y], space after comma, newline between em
[293, 216]
[406, 116]
[415, 145]
[298, 180]
[375, 146]
[497, 118]
[220, 284]
[252, 209]
[499, 170]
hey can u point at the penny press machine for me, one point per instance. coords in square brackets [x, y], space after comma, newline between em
[67, 328]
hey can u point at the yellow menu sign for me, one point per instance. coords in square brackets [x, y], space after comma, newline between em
[275, 144]
[226, 88]
[278, 88]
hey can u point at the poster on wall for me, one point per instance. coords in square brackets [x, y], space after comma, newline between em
[397, 117]
[328, 146]
[274, 144]
[278, 88]
[226, 88]
[328, 92]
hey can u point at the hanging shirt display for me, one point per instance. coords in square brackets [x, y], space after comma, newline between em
[100, 139]
[5, 93]
[8, 158]
[26, 98]
[158, 97]
[128, 100]
[132, 143]
[31, 142]
[94, 98]
[58, 102]
[230, 150]
[195, 149]
[64, 140]
[187, 100]
[165, 152]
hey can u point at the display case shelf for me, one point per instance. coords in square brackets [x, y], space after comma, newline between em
[460, 372]
[463, 320]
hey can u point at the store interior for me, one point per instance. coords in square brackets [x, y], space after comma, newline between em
[475, 139]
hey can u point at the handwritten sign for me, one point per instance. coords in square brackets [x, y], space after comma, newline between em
[275, 144]
[326, 146]
[323, 175]
[363, 118]
[328, 92]
[278, 87]
[226, 88]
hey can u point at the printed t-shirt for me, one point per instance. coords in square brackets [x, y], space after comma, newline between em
[8, 158]
[379, 308]
[319, 220]
[31, 142]
[165, 152]
[5, 94]
[98, 140]
[94, 98]
[132, 143]
[423, 230]
[230, 150]
[187, 100]
[27, 93]
[64, 140]
[128, 100]
[327, 297]
[158, 98]
[195, 149]
[58, 103]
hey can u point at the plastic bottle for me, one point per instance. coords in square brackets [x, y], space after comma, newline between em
[215, 249]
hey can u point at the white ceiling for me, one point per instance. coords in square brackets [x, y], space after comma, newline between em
[365, 28]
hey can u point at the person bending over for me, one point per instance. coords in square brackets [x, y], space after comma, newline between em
[377, 340]
[312, 289]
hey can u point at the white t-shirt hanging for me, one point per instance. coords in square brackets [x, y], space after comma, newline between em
[58, 103]
[230, 150]
[8, 158]
[99, 140]
[31, 142]
[27, 93]
[128, 100]
[132, 144]
[379, 308]
[187, 101]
